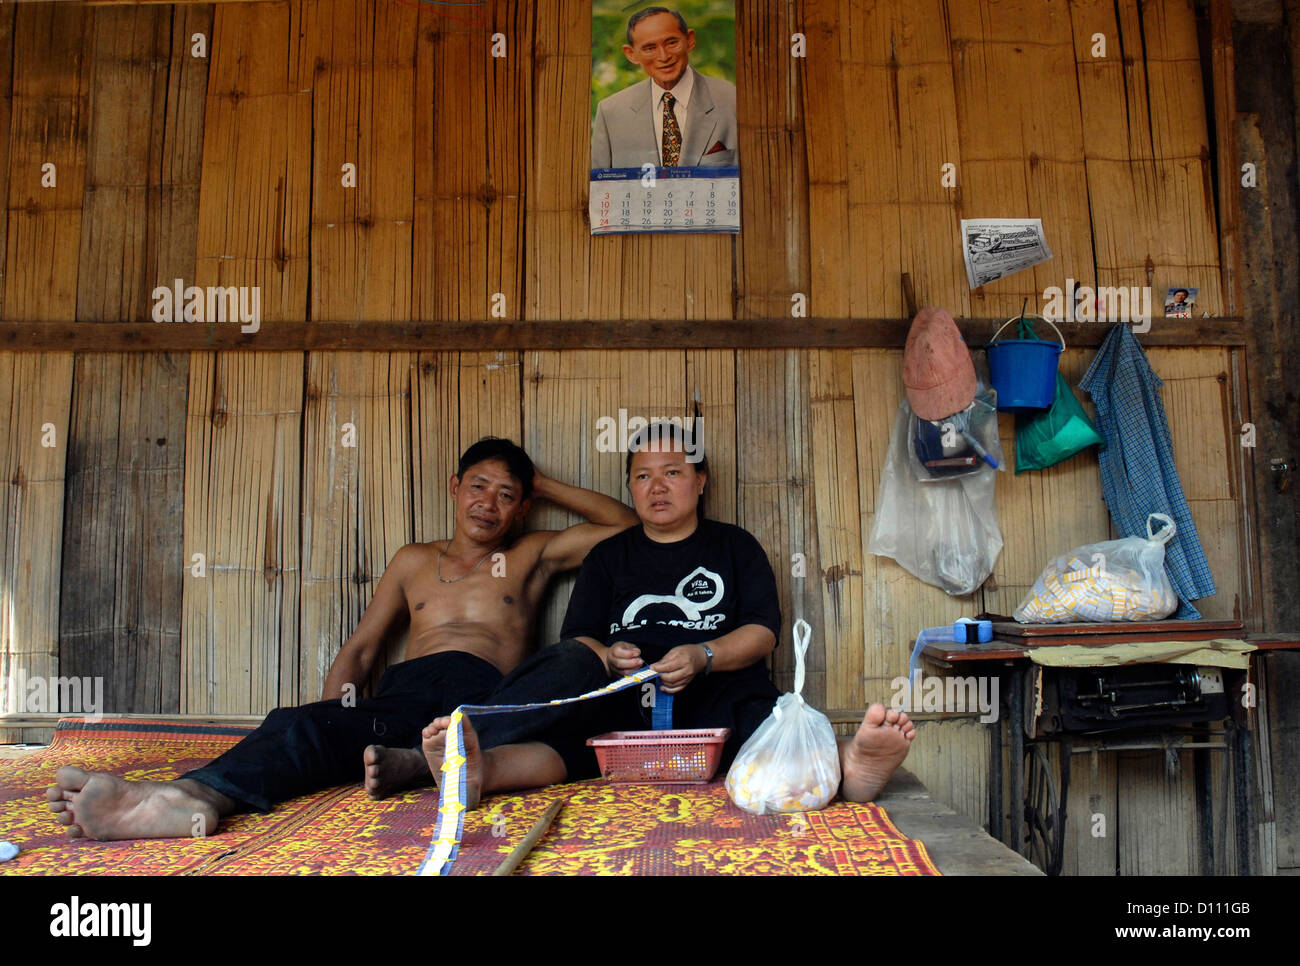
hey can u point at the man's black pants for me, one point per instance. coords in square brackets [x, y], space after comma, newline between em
[306, 748]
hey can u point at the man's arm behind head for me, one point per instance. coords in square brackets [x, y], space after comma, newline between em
[566, 549]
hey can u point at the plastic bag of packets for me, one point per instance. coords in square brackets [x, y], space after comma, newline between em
[792, 762]
[1117, 580]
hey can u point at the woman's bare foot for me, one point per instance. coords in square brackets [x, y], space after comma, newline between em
[390, 770]
[869, 758]
[434, 744]
[100, 806]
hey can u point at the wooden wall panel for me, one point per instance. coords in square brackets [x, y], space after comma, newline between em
[48, 117]
[255, 203]
[473, 117]
[363, 115]
[712, 373]
[245, 412]
[34, 393]
[771, 251]
[826, 116]
[435, 442]
[120, 611]
[1197, 406]
[564, 394]
[173, 209]
[126, 118]
[837, 569]
[1150, 192]
[776, 468]
[356, 497]
[48, 126]
[1092, 820]
[7, 16]
[121, 582]
[565, 266]
[917, 67]
[1157, 827]
[239, 637]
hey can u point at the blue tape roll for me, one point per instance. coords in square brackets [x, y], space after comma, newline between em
[661, 712]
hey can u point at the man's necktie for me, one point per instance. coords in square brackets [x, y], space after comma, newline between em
[672, 134]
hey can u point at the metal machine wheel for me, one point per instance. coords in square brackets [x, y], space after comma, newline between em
[1044, 814]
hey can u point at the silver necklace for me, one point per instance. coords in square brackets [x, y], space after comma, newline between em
[444, 580]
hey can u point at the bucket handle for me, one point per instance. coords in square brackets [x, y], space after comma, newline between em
[1017, 318]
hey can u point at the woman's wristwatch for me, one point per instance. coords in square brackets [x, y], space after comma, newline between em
[708, 654]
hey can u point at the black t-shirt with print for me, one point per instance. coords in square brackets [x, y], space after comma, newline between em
[661, 595]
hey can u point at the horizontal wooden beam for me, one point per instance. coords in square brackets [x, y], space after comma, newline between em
[779, 333]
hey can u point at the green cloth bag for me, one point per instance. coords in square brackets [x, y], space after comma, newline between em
[1054, 435]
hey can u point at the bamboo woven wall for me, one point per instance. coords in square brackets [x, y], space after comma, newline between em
[471, 181]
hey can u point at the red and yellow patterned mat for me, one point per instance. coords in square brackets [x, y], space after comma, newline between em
[603, 829]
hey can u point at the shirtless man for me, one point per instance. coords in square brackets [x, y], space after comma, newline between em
[471, 603]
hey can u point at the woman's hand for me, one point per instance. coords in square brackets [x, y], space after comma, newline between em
[622, 658]
[679, 666]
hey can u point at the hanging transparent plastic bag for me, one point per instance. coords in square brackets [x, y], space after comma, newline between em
[946, 532]
[1116, 580]
[792, 762]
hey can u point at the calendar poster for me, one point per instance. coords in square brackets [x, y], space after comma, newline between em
[664, 138]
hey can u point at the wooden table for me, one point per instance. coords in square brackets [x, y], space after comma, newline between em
[1007, 655]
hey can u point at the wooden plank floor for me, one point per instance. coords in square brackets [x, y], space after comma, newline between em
[956, 845]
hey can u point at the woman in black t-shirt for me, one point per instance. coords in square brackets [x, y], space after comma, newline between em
[694, 598]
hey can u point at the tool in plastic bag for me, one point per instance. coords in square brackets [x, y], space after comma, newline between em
[1116, 580]
[945, 532]
[942, 449]
[1054, 435]
[792, 762]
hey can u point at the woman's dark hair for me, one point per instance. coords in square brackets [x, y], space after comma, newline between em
[677, 437]
[495, 448]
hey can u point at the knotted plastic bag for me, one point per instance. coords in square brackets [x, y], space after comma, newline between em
[792, 762]
[1117, 580]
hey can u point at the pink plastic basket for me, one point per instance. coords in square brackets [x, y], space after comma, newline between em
[660, 757]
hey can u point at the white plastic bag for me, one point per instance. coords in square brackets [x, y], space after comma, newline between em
[946, 533]
[1117, 580]
[792, 762]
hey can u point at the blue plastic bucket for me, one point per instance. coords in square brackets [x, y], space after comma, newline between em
[1023, 371]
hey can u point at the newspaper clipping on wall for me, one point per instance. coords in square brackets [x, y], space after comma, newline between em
[997, 247]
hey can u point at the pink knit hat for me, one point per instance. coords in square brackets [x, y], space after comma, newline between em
[937, 368]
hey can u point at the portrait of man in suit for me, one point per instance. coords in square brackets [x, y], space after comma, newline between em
[676, 116]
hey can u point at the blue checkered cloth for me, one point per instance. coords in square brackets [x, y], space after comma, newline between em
[1138, 477]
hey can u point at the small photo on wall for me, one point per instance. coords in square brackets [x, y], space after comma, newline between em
[664, 136]
[1178, 304]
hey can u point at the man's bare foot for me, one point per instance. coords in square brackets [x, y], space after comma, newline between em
[390, 770]
[869, 758]
[99, 806]
[435, 741]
